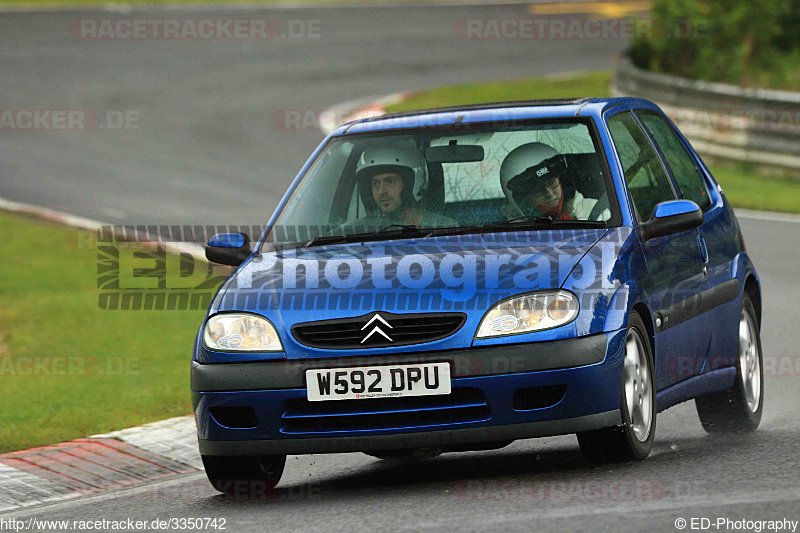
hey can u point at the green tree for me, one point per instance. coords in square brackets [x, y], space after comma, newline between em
[733, 41]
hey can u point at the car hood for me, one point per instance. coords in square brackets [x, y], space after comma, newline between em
[465, 274]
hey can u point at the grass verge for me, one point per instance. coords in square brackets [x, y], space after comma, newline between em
[744, 186]
[67, 367]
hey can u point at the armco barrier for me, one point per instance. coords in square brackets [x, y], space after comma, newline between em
[727, 122]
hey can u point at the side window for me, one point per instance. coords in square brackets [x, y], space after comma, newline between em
[315, 206]
[680, 162]
[647, 181]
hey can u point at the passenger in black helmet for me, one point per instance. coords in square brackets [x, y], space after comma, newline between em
[535, 180]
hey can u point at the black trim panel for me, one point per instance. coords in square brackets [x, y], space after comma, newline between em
[471, 362]
[698, 304]
[345, 333]
[423, 439]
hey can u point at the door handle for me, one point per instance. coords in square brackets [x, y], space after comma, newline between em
[701, 242]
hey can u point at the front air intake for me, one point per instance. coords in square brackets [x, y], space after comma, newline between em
[538, 397]
[377, 330]
[235, 417]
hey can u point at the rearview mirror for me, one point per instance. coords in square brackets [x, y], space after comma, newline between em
[671, 217]
[454, 153]
[228, 248]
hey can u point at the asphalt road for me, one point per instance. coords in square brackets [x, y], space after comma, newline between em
[207, 151]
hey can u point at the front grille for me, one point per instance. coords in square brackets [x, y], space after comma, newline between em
[395, 330]
[460, 406]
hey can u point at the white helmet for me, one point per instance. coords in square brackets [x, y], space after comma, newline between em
[531, 161]
[402, 158]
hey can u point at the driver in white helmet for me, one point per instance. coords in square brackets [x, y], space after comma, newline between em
[395, 178]
[534, 180]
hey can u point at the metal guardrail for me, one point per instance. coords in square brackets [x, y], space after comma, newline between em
[727, 122]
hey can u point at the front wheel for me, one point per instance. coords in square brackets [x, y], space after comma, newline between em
[632, 440]
[739, 409]
[245, 476]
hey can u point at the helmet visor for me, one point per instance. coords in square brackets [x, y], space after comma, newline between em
[533, 180]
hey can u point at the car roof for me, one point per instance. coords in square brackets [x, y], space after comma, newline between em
[488, 112]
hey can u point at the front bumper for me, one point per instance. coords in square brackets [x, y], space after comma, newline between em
[589, 368]
[421, 439]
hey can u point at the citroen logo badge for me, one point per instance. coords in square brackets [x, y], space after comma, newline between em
[377, 329]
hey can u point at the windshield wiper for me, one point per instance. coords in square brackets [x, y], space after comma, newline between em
[402, 228]
[527, 222]
[540, 219]
[393, 231]
[406, 231]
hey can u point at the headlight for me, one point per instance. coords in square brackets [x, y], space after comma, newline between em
[241, 333]
[531, 312]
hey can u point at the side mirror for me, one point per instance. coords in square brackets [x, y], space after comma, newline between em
[228, 248]
[671, 217]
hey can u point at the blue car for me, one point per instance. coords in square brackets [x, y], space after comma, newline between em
[458, 278]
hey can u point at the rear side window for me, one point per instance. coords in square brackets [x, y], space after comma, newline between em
[647, 180]
[679, 160]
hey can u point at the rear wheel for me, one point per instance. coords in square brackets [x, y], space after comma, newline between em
[632, 440]
[245, 476]
[739, 409]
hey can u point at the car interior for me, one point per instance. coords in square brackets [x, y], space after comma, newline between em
[476, 200]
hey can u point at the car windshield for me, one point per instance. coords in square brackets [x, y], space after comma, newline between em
[449, 180]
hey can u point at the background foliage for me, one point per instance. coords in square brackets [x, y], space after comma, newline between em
[753, 44]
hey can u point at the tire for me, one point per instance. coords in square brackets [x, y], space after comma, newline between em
[246, 476]
[739, 408]
[633, 439]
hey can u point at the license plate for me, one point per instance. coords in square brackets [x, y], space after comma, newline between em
[378, 381]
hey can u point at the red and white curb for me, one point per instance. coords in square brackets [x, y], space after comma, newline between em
[358, 109]
[195, 250]
[21, 489]
[173, 438]
[101, 463]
